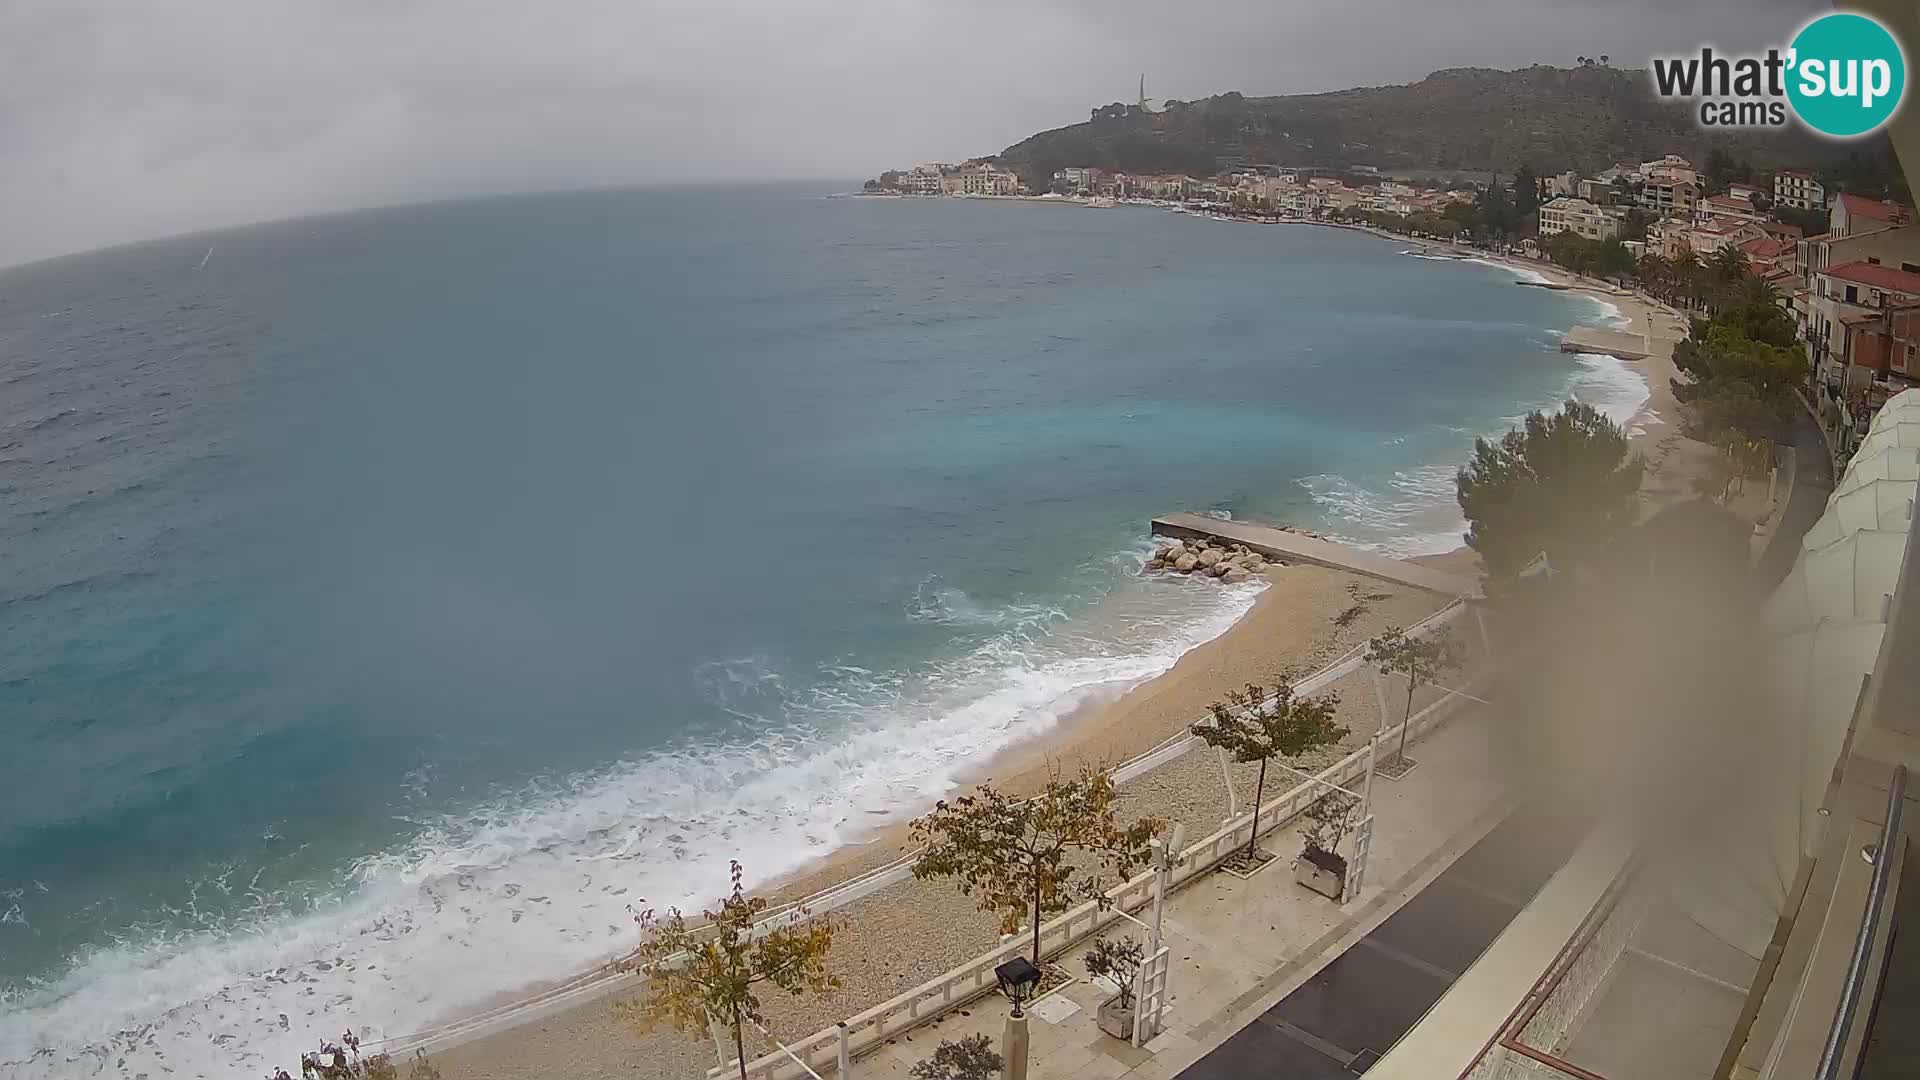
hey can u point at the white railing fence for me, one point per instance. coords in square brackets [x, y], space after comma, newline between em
[964, 981]
[974, 978]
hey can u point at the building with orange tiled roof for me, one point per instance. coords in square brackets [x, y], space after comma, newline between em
[1855, 214]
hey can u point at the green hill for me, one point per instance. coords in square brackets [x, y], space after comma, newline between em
[1461, 119]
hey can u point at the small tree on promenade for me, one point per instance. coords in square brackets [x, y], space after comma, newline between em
[1254, 725]
[1421, 659]
[1011, 854]
[698, 973]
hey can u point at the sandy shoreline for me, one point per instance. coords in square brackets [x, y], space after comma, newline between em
[907, 933]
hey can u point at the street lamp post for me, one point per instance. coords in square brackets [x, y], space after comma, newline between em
[1018, 979]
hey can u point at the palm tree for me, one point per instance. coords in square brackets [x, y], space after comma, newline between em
[1657, 274]
[1687, 277]
[1729, 264]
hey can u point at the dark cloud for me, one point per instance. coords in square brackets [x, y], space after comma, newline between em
[121, 120]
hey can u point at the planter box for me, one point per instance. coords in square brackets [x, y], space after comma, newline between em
[1323, 872]
[1116, 1019]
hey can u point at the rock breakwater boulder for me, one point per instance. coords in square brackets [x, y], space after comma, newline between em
[1229, 564]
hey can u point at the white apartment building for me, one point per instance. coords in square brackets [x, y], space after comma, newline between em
[980, 180]
[1577, 216]
[1792, 187]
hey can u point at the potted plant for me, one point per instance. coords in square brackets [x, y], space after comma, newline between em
[1320, 866]
[1118, 962]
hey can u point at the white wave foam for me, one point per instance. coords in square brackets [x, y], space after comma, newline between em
[946, 606]
[1607, 383]
[541, 886]
[1610, 313]
[1521, 272]
[1417, 516]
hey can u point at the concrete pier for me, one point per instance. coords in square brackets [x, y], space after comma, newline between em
[1293, 547]
[1592, 339]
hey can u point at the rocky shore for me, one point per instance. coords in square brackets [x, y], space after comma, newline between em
[1230, 563]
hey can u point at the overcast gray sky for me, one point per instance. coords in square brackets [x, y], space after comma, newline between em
[129, 119]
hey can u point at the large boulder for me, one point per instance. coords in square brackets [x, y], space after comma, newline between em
[1210, 556]
[1186, 562]
[1236, 575]
[1218, 569]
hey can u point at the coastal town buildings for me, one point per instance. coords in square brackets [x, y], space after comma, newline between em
[925, 179]
[1853, 215]
[980, 178]
[1668, 196]
[1848, 325]
[1855, 290]
[1730, 208]
[1578, 216]
[1798, 189]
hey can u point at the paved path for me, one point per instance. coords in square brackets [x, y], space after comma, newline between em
[1240, 945]
[1353, 1010]
[1812, 483]
[1293, 547]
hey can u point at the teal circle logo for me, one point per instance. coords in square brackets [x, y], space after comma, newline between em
[1848, 74]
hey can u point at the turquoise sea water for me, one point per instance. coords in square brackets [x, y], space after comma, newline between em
[388, 604]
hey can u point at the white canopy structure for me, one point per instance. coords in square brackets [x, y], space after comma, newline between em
[1821, 672]
[1892, 463]
[1850, 578]
[1876, 504]
[1829, 614]
[1896, 433]
[1737, 888]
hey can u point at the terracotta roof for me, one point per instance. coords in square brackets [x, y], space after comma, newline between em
[1874, 208]
[1880, 277]
[1766, 247]
[1781, 228]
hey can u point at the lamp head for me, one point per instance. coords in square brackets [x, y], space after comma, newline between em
[1018, 979]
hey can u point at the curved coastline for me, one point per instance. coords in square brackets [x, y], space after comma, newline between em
[1287, 621]
[1286, 625]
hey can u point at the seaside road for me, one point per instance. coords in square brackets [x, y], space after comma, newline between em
[1341, 1020]
[1812, 483]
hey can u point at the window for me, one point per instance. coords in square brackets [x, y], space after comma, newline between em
[1873, 260]
[1853, 294]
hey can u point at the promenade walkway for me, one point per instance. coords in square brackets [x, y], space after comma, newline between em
[1353, 1010]
[1241, 946]
[1294, 547]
